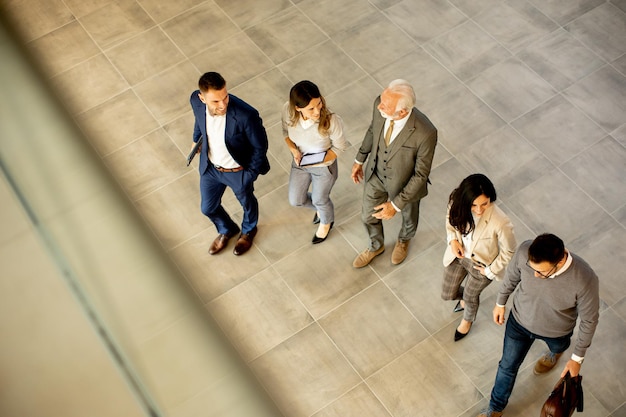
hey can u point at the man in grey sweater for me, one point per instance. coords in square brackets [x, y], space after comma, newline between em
[554, 288]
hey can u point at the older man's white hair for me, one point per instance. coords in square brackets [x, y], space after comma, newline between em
[406, 92]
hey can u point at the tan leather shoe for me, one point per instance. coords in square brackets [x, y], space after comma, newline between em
[244, 243]
[546, 363]
[399, 252]
[366, 257]
[220, 242]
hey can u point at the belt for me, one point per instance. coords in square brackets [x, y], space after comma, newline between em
[220, 169]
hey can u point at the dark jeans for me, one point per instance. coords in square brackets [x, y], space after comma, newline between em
[213, 183]
[517, 343]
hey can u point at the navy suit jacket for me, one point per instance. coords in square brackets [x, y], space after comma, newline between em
[245, 136]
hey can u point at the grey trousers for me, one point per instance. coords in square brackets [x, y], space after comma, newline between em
[376, 194]
[321, 181]
[453, 276]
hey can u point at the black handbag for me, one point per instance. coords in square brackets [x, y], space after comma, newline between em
[566, 397]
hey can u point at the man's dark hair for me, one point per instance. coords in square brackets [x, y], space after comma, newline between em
[211, 81]
[546, 248]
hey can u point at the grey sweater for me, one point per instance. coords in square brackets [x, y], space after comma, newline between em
[550, 306]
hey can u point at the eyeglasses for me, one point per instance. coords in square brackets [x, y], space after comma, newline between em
[547, 275]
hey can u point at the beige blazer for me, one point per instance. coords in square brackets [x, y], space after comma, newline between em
[493, 243]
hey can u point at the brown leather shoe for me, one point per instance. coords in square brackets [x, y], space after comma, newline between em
[546, 363]
[220, 242]
[244, 243]
[366, 257]
[399, 252]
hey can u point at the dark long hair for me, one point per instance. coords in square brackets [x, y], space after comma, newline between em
[300, 96]
[462, 198]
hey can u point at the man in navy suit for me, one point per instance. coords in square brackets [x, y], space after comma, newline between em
[233, 154]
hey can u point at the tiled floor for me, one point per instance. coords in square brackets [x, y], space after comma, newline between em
[531, 93]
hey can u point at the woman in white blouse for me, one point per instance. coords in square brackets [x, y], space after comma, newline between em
[480, 245]
[313, 135]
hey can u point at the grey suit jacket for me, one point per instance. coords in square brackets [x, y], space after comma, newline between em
[409, 160]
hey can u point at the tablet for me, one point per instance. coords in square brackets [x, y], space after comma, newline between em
[312, 158]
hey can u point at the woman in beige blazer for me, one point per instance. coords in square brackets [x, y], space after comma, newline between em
[480, 245]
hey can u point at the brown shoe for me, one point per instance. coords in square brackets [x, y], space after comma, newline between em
[546, 362]
[220, 242]
[399, 252]
[244, 243]
[366, 257]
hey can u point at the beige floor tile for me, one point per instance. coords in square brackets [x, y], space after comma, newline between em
[426, 19]
[564, 12]
[600, 173]
[602, 357]
[420, 383]
[601, 96]
[325, 63]
[420, 291]
[305, 373]
[237, 58]
[563, 207]
[374, 33]
[81, 90]
[599, 36]
[162, 11]
[322, 275]
[64, 48]
[560, 59]
[267, 94]
[547, 125]
[246, 13]
[213, 275]
[176, 363]
[116, 122]
[391, 330]
[495, 88]
[461, 119]
[358, 402]
[39, 19]
[279, 45]
[508, 159]
[515, 24]
[466, 50]
[115, 22]
[343, 14]
[259, 314]
[175, 223]
[157, 92]
[191, 31]
[147, 164]
[428, 77]
[145, 55]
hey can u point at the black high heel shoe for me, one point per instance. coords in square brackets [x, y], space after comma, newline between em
[458, 307]
[458, 335]
[317, 239]
[316, 219]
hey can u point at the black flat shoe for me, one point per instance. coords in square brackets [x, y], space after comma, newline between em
[316, 219]
[317, 239]
[458, 307]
